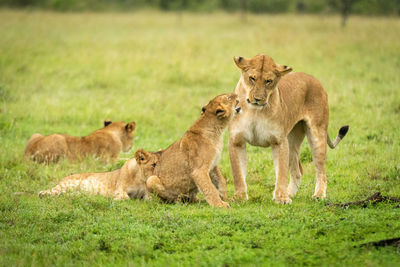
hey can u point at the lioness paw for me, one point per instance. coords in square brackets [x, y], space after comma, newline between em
[320, 196]
[241, 196]
[281, 197]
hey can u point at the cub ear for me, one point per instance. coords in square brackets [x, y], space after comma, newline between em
[241, 62]
[282, 69]
[107, 122]
[130, 127]
[220, 112]
[141, 156]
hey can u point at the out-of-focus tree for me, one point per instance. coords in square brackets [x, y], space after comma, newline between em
[345, 10]
[243, 8]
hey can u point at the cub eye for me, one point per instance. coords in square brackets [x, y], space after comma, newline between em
[219, 111]
[268, 81]
[154, 165]
[252, 79]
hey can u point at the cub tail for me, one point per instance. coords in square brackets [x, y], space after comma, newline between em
[342, 133]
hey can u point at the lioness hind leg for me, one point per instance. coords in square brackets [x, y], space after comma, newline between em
[295, 138]
[317, 138]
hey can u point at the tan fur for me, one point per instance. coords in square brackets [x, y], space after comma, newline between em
[127, 182]
[105, 143]
[279, 109]
[191, 163]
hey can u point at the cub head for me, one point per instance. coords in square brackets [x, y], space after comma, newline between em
[223, 107]
[147, 161]
[260, 76]
[125, 132]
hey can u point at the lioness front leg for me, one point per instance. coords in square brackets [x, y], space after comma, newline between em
[203, 181]
[280, 154]
[219, 181]
[238, 159]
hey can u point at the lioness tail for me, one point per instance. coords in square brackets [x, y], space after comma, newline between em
[342, 133]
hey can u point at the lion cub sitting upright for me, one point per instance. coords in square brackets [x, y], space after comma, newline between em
[127, 182]
[190, 164]
[105, 143]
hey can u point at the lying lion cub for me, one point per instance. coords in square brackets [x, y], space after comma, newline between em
[105, 143]
[190, 164]
[127, 182]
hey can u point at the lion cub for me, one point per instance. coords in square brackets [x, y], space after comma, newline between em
[190, 164]
[105, 143]
[127, 182]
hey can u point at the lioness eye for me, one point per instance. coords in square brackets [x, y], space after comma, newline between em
[252, 79]
[268, 81]
[154, 165]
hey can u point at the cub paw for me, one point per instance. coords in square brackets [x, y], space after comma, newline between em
[223, 204]
[44, 193]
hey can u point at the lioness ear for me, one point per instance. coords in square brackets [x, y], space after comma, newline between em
[282, 69]
[130, 127]
[107, 122]
[141, 156]
[241, 62]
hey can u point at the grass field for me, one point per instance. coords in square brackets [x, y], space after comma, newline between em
[66, 73]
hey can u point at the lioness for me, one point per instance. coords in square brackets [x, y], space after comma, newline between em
[105, 143]
[127, 182]
[191, 163]
[279, 109]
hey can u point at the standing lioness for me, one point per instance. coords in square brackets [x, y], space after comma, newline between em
[191, 163]
[105, 143]
[278, 111]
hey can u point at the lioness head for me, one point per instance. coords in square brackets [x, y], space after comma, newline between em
[260, 76]
[147, 161]
[222, 107]
[124, 131]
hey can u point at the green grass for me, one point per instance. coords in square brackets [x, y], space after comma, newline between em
[65, 72]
